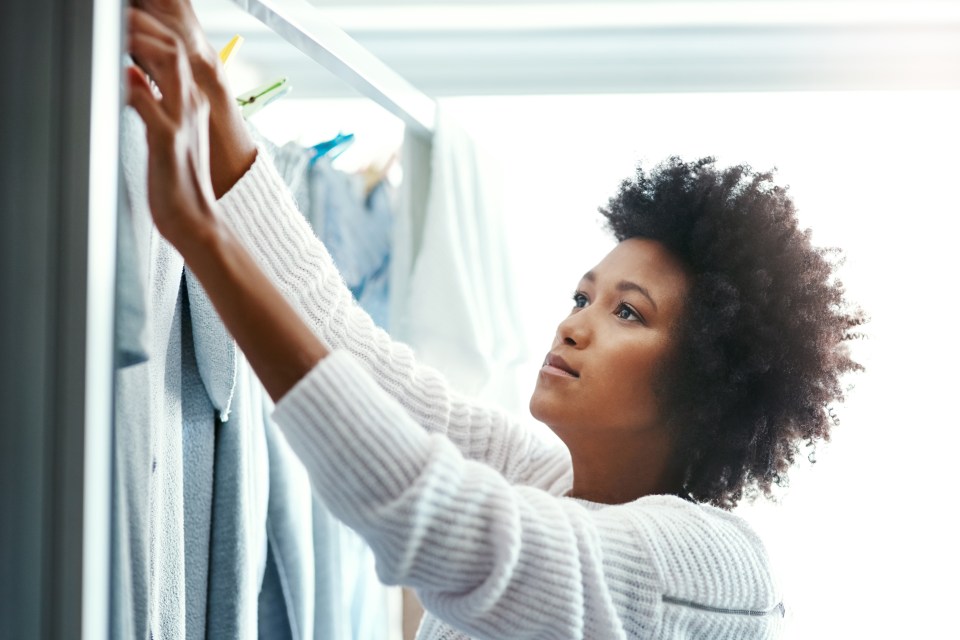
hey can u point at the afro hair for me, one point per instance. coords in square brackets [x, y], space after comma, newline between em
[762, 342]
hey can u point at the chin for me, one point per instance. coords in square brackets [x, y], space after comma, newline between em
[545, 411]
[537, 407]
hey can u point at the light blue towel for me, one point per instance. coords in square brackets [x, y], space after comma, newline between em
[198, 456]
[216, 351]
[190, 490]
[238, 544]
[148, 584]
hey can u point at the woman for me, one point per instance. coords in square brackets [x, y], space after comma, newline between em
[699, 354]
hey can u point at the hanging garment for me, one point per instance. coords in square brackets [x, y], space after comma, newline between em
[129, 550]
[148, 545]
[238, 542]
[356, 227]
[324, 572]
[458, 305]
[189, 491]
[198, 458]
[357, 230]
[131, 296]
[288, 594]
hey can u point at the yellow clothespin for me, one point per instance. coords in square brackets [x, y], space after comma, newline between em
[252, 101]
[232, 47]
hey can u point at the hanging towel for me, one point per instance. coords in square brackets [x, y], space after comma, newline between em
[216, 351]
[238, 544]
[191, 479]
[458, 311]
[148, 585]
[198, 458]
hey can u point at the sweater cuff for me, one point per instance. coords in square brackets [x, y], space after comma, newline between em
[359, 445]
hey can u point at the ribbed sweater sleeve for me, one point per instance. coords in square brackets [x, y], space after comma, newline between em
[262, 213]
[492, 559]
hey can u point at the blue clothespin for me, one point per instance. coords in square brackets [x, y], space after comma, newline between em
[333, 147]
[252, 101]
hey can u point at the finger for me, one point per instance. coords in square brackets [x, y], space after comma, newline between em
[166, 66]
[145, 20]
[140, 22]
[140, 96]
[162, 23]
[141, 76]
[163, 41]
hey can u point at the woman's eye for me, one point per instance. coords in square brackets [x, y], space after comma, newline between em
[626, 313]
[579, 300]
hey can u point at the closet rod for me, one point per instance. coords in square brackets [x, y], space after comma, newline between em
[305, 27]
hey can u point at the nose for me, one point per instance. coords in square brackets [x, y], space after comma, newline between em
[575, 329]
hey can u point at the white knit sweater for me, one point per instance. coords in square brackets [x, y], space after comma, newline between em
[465, 505]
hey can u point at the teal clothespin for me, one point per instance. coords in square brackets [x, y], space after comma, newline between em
[253, 101]
[333, 147]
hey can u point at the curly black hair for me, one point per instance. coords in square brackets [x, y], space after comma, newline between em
[761, 344]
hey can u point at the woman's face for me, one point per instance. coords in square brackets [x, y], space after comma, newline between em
[598, 378]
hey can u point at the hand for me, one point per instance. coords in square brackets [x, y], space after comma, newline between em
[278, 344]
[176, 114]
[232, 150]
[179, 17]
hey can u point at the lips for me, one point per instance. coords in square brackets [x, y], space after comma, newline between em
[557, 365]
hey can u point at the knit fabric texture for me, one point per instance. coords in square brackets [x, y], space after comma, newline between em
[466, 505]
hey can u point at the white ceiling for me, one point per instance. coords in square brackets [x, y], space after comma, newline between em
[480, 47]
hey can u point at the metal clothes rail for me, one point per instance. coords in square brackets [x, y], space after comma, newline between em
[305, 27]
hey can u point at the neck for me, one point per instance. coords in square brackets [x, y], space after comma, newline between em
[624, 471]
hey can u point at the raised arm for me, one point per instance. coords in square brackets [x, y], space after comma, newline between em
[262, 214]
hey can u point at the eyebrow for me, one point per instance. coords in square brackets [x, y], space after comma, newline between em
[624, 285]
